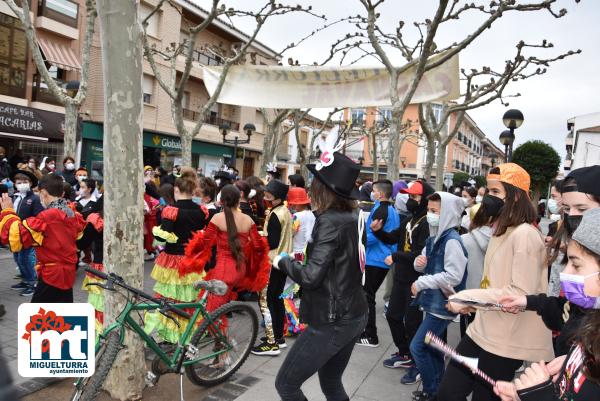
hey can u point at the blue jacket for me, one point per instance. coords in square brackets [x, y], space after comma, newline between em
[29, 206]
[377, 250]
[434, 300]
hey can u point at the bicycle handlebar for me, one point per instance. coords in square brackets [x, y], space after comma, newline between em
[118, 280]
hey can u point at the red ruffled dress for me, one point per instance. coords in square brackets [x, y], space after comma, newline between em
[252, 275]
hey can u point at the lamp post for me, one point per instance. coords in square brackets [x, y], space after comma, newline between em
[248, 128]
[512, 120]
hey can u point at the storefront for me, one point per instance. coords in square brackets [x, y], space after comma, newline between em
[159, 149]
[34, 132]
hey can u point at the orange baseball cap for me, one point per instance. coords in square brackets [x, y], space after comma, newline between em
[513, 174]
[414, 188]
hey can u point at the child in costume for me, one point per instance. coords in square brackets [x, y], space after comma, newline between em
[173, 280]
[92, 238]
[53, 232]
[278, 229]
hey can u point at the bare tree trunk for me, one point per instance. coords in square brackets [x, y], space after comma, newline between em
[186, 148]
[123, 217]
[375, 159]
[71, 122]
[270, 139]
[440, 162]
[430, 159]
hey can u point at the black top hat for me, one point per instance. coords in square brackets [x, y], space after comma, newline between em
[278, 189]
[338, 173]
[222, 174]
[29, 174]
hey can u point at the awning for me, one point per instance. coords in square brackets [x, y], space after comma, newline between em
[59, 55]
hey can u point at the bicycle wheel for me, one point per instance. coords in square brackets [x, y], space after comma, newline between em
[237, 322]
[87, 388]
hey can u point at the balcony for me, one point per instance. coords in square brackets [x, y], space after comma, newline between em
[211, 119]
[206, 59]
[42, 94]
[63, 11]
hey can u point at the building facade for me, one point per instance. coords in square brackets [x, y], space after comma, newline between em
[469, 152]
[31, 119]
[25, 101]
[583, 141]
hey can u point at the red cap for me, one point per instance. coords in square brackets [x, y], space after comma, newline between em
[297, 196]
[414, 188]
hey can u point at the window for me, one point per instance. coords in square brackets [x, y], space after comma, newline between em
[152, 28]
[63, 11]
[384, 115]
[148, 88]
[437, 111]
[13, 57]
[357, 117]
[64, 7]
[186, 100]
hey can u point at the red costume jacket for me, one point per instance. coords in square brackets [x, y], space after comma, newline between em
[53, 233]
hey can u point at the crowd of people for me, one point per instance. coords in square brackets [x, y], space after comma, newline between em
[475, 255]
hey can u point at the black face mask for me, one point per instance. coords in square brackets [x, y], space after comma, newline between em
[412, 205]
[493, 205]
[571, 224]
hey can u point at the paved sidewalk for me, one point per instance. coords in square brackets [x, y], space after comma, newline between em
[365, 378]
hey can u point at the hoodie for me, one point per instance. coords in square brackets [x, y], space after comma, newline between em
[455, 260]
[476, 243]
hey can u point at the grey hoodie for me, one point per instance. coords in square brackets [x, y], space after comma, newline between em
[455, 261]
[476, 243]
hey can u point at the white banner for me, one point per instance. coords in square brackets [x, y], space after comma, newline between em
[349, 86]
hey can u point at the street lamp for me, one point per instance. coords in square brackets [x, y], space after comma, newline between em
[248, 128]
[512, 120]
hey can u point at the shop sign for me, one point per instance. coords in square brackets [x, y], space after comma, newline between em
[166, 143]
[29, 121]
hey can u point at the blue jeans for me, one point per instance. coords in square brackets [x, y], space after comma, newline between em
[25, 260]
[325, 349]
[429, 361]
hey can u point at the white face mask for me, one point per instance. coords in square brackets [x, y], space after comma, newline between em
[465, 202]
[433, 219]
[478, 199]
[555, 217]
[553, 206]
[81, 177]
[70, 166]
[23, 188]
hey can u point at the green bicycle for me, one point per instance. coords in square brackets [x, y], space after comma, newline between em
[209, 356]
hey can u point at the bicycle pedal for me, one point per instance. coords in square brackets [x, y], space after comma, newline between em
[192, 352]
[151, 379]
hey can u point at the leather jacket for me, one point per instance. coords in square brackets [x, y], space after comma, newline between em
[331, 280]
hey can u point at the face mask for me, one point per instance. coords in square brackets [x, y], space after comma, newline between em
[23, 188]
[70, 166]
[433, 219]
[465, 202]
[478, 199]
[553, 206]
[373, 198]
[51, 167]
[31, 165]
[571, 224]
[493, 205]
[573, 287]
[196, 199]
[412, 205]
[555, 217]
[81, 177]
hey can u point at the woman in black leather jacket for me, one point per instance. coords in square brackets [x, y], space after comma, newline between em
[333, 302]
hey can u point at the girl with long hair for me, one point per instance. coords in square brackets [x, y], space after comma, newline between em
[175, 281]
[514, 264]
[242, 254]
[576, 376]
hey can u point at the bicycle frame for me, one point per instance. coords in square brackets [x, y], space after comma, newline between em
[124, 319]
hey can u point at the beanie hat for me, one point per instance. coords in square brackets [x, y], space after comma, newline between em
[584, 180]
[588, 231]
[297, 196]
[513, 174]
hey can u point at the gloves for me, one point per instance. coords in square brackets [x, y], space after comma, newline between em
[277, 258]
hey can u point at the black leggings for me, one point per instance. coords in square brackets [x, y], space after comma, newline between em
[458, 381]
[275, 304]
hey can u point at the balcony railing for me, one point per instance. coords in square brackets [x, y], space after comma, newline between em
[211, 119]
[63, 11]
[41, 92]
[206, 59]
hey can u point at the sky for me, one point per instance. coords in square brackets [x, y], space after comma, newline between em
[571, 87]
